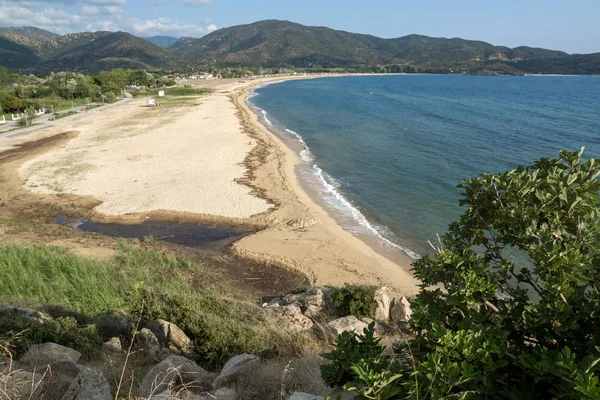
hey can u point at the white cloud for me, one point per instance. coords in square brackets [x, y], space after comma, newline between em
[197, 2]
[157, 2]
[49, 18]
[90, 11]
[37, 3]
[98, 18]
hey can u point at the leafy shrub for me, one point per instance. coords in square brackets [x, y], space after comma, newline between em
[354, 300]
[518, 318]
[63, 331]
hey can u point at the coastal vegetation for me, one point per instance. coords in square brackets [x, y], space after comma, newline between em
[508, 303]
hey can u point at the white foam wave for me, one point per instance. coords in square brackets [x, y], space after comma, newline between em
[267, 120]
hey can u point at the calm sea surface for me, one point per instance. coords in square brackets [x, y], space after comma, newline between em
[384, 153]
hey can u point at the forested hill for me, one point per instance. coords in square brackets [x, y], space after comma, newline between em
[276, 43]
[36, 50]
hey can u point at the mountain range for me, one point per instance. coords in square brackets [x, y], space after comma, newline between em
[274, 43]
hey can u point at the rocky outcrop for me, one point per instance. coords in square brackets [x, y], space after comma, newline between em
[20, 385]
[290, 317]
[312, 302]
[89, 384]
[171, 337]
[30, 313]
[383, 300]
[234, 369]
[146, 343]
[345, 324]
[114, 345]
[66, 380]
[401, 311]
[172, 372]
[41, 355]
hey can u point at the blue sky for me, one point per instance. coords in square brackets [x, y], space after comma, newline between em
[572, 26]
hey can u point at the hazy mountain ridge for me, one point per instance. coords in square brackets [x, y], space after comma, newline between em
[275, 43]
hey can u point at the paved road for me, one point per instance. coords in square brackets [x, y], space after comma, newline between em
[44, 120]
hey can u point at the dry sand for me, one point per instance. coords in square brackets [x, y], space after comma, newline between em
[195, 161]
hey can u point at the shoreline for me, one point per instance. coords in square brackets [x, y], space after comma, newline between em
[296, 232]
[364, 262]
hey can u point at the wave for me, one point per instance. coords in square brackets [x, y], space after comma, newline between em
[331, 188]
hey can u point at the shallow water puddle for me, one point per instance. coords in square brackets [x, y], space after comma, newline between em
[205, 237]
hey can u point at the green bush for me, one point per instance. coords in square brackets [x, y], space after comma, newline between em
[518, 317]
[23, 331]
[354, 300]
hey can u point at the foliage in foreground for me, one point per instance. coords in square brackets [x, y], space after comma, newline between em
[518, 316]
[139, 284]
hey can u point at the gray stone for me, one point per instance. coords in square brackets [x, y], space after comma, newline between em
[379, 329]
[290, 317]
[147, 344]
[401, 311]
[20, 385]
[171, 336]
[312, 302]
[383, 300]
[304, 396]
[173, 372]
[346, 394]
[34, 315]
[41, 355]
[89, 384]
[114, 345]
[60, 376]
[234, 368]
[224, 394]
[345, 324]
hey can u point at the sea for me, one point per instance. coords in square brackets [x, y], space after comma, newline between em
[384, 154]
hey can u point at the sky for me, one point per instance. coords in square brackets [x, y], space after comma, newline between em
[572, 26]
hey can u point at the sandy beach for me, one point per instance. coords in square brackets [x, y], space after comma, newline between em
[207, 159]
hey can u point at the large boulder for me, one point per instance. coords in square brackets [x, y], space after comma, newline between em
[172, 372]
[290, 317]
[41, 355]
[171, 336]
[383, 300]
[235, 368]
[20, 385]
[304, 396]
[312, 302]
[401, 311]
[89, 384]
[146, 343]
[345, 324]
[66, 380]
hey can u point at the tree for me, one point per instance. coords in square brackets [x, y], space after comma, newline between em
[509, 305]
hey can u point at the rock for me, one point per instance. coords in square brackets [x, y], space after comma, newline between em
[349, 323]
[114, 345]
[224, 394]
[383, 300]
[346, 394]
[301, 224]
[146, 342]
[379, 329]
[234, 368]
[290, 317]
[175, 371]
[304, 396]
[312, 302]
[20, 385]
[34, 315]
[60, 376]
[401, 311]
[89, 384]
[171, 336]
[41, 355]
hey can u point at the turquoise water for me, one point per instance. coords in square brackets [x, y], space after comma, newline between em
[385, 153]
